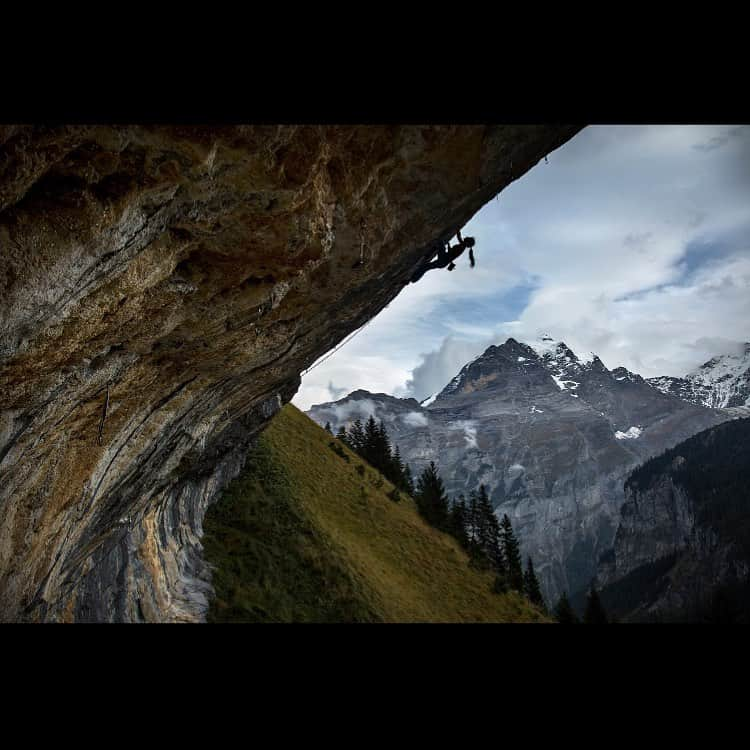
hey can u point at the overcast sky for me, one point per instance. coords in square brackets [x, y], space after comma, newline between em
[632, 242]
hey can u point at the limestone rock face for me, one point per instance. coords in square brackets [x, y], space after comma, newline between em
[183, 277]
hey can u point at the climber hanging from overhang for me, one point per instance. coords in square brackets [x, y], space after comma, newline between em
[446, 254]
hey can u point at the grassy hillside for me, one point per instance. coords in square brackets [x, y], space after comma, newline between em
[308, 535]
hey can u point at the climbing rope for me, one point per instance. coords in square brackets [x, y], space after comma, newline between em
[343, 343]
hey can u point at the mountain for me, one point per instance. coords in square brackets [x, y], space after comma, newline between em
[552, 435]
[682, 549]
[721, 382]
[307, 533]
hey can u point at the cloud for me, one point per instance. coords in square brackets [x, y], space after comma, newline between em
[438, 367]
[351, 410]
[718, 141]
[716, 345]
[414, 419]
[633, 242]
[469, 429]
[336, 393]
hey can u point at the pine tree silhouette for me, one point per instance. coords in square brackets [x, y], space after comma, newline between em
[370, 441]
[473, 518]
[431, 499]
[341, 435]
[458, 521]
[512, 555]
[484, 519]
[531, 586]
[328, 428]
[397, 469]
[594, 613]
[356, 436]
[564, 612]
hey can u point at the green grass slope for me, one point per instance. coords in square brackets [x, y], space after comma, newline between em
[308, 534]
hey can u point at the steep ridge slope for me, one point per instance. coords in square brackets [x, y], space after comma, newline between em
[307, 533]
[161, 289]
[550, 435]
[684, 534]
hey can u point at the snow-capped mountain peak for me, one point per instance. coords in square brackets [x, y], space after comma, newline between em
[549, 347]
[722, 382]
[562, 363]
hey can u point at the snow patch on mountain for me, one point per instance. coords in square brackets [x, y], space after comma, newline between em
[428, 400]
[629, 434]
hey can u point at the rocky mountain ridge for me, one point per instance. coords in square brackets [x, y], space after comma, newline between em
[553, 437]
[722, 382]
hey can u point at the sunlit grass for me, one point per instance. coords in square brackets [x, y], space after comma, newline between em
[303, 536]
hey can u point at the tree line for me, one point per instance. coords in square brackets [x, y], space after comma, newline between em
[490, 543]
[371, 441]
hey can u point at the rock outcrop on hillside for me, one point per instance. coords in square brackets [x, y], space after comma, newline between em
[161, 289]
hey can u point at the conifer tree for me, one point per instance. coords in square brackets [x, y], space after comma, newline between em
[341, 435]
[370, 441]
[473, 517]
[478, 534]
[564, 611]
[328, 428]
[496, 547]
[384, 452]
[356, 436]
[512, 554]
[485, 517]
[531, 586]
[408, 481]
[594, 613]
[458, 520]
[431, 499]
[397, 469]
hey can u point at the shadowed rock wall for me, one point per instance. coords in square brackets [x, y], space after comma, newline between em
[186, 276]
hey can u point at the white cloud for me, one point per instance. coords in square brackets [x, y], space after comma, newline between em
[414, 419]
[634, 242]
[469, 429]
[430, 376]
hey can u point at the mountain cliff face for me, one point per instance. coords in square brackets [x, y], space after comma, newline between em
[552, 436]
[721, 382]
[161, 288]
[684, 529]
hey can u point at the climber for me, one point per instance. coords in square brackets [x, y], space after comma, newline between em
[446, 255]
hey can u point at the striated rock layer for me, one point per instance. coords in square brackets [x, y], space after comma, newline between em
[175, 281]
